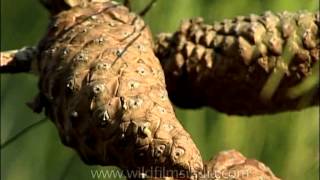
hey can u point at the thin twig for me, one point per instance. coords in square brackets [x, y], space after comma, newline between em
[147, 8]
[24, 131]
[18, 61]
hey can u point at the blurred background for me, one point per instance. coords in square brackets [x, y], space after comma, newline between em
[287, 142]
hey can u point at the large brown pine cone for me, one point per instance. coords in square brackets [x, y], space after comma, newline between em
[246, 65]
[104, 89]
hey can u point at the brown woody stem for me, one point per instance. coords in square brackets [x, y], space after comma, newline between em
[18, 61]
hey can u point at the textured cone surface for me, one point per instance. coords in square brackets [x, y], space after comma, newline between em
[233, 165]
[247, 65]
[104, 89]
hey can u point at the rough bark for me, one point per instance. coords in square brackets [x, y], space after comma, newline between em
[104, 89]
[246, 65]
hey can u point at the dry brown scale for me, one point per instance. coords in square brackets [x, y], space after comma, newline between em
[246, 65]
[104, 89]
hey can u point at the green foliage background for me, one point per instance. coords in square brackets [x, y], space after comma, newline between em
[287, 142]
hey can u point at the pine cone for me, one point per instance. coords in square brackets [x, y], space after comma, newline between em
[264, 57]
[104, 89]
[233, 165]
